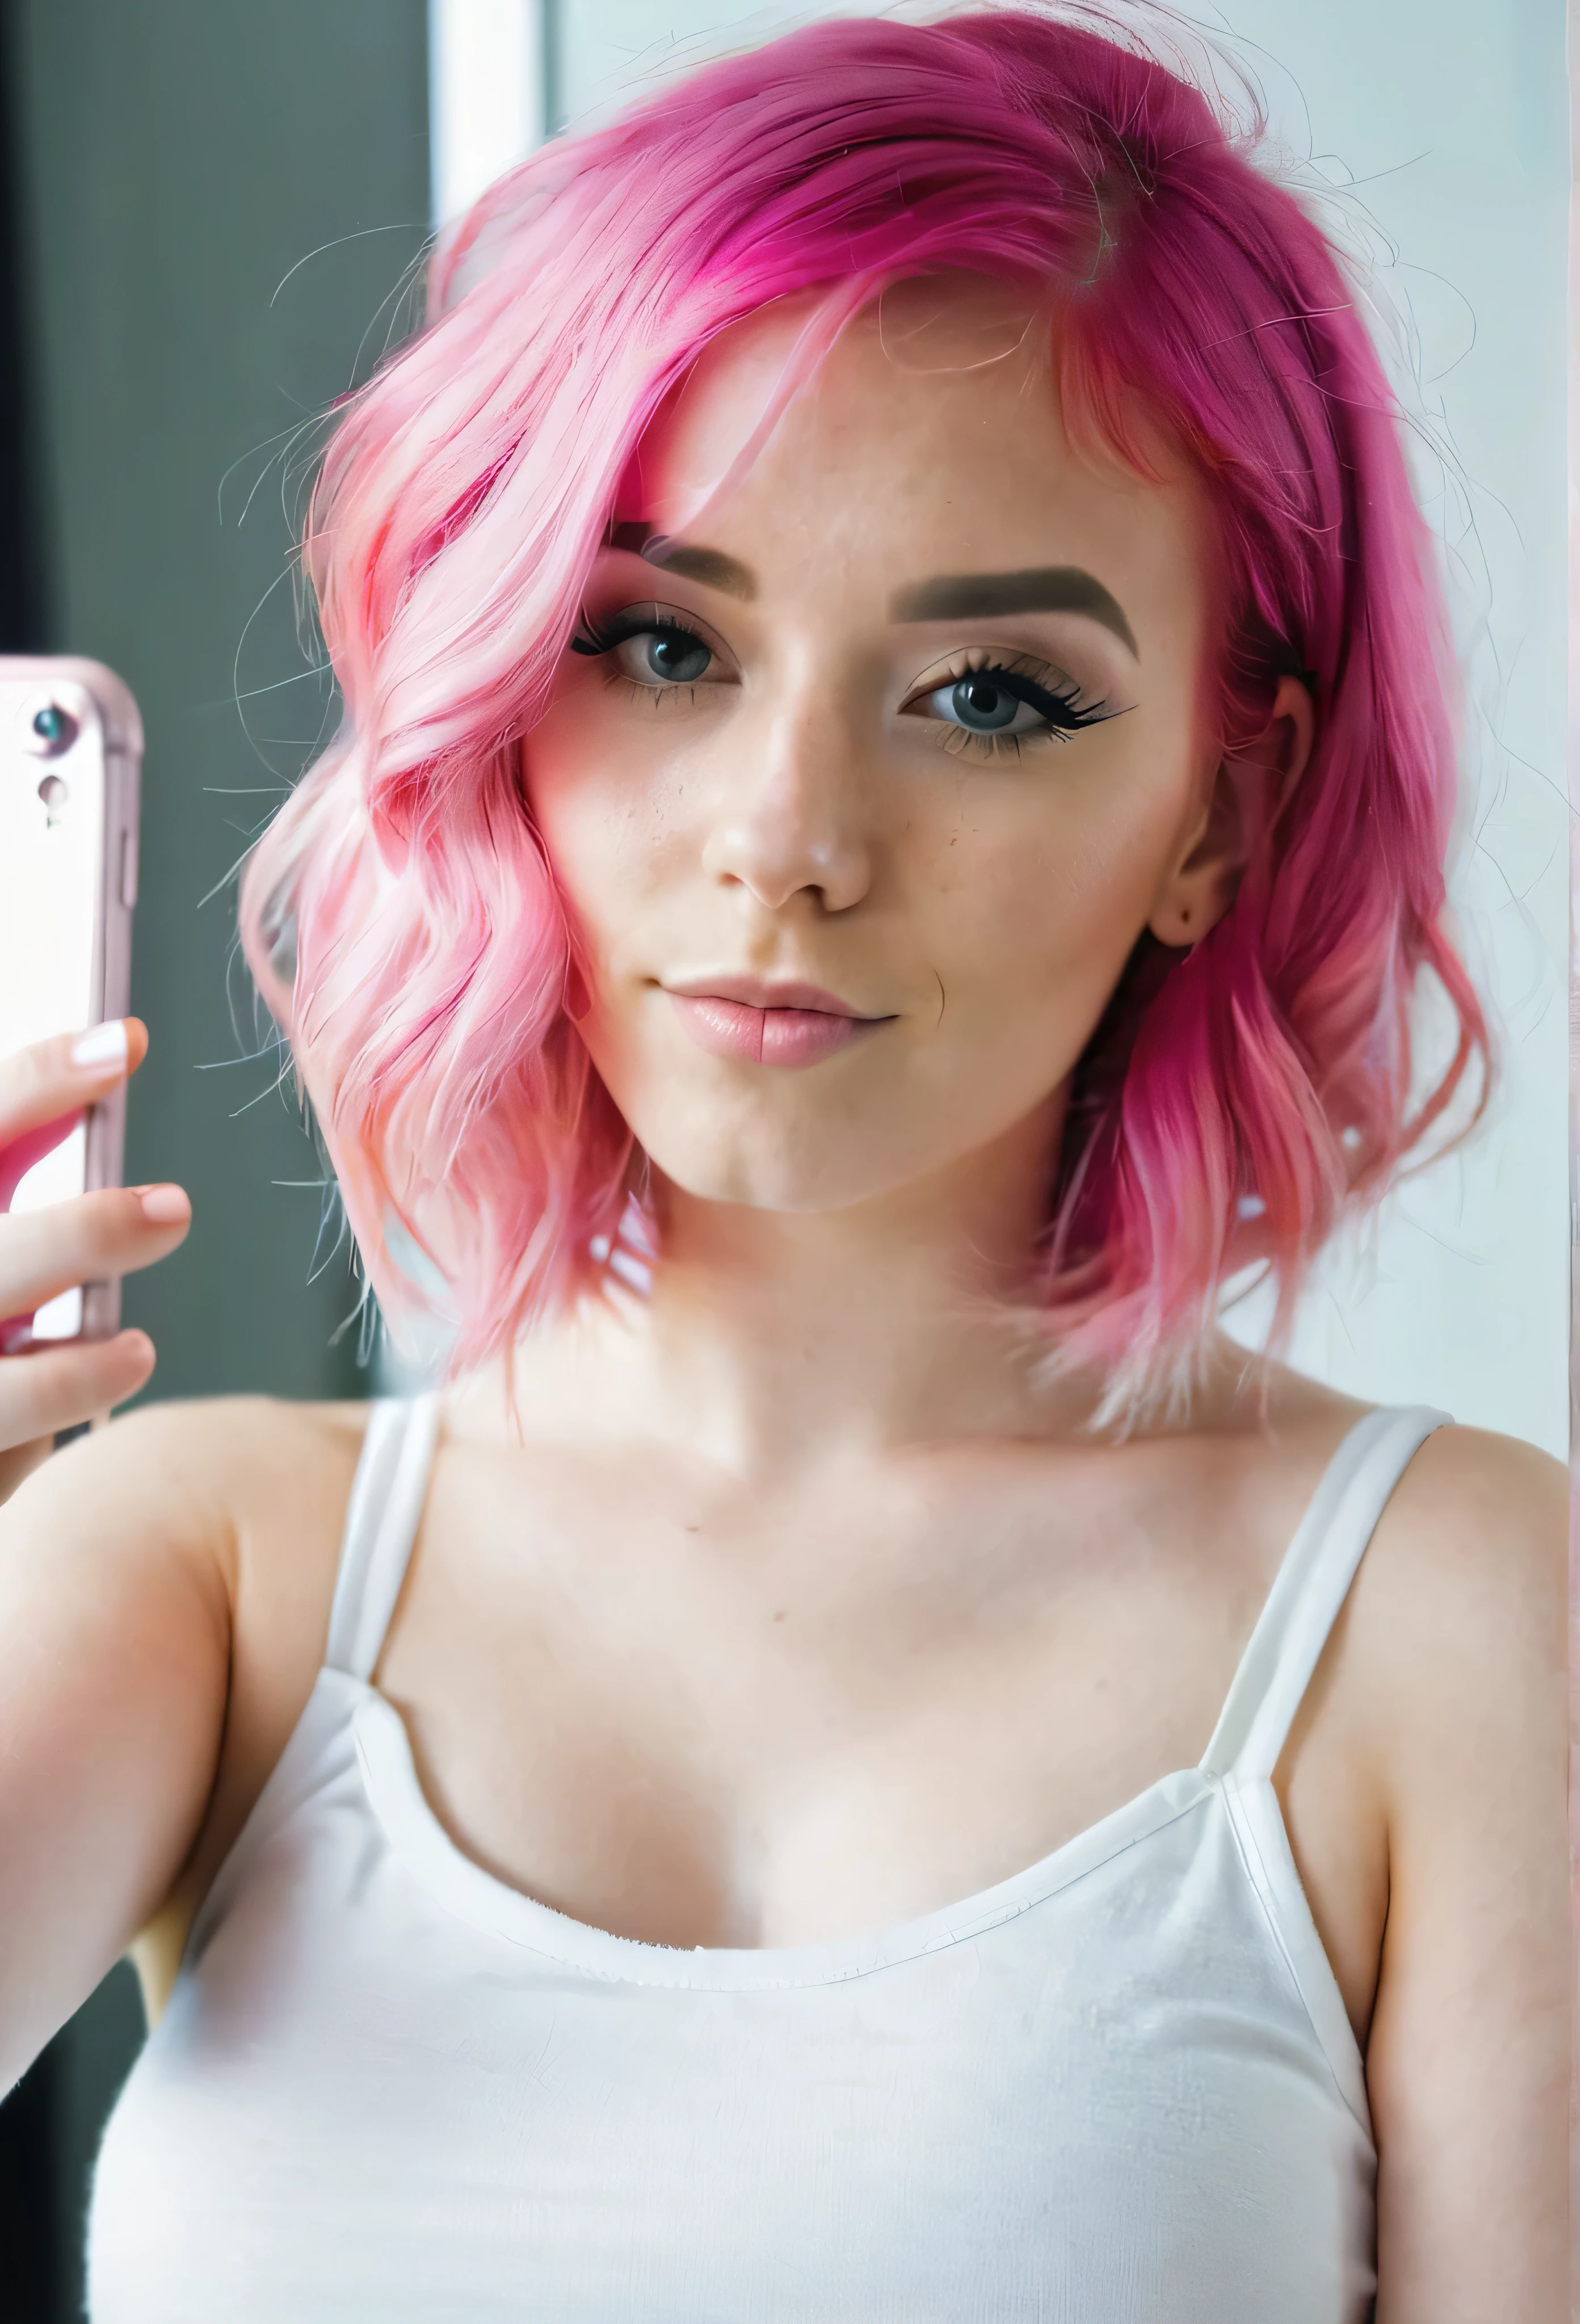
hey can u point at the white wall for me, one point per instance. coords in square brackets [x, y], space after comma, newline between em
[486, 97]
[1448, 117]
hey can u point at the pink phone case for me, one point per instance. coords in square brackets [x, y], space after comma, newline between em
[101, 711]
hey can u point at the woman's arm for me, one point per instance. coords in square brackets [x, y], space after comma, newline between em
[115, 1646]
[115, 1604]
[1468, 2059]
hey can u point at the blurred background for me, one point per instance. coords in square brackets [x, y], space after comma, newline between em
[210, 213]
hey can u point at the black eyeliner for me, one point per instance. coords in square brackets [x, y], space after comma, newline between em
[594, 638]
[1059, 709]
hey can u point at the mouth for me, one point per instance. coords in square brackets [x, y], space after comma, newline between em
[765, 1022]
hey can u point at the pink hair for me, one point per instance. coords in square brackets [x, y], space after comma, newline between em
[464, 494]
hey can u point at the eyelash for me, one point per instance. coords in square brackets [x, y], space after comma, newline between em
[1059, 704]
[595, 638]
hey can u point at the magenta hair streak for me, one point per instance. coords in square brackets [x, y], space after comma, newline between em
[459, 505]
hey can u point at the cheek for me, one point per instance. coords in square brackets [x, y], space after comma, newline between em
[607, 817]
[1035, 912]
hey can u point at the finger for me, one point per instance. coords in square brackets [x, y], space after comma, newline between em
[66, 1072]
[113, 1233]
[55, 1387]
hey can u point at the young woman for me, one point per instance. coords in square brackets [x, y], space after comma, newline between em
[858, 1761]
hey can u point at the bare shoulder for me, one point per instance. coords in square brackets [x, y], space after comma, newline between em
[1461, 1477]
[255, 1489]
[1442, 1689]
[203, 1458]
[227, 1435]
[164, 1592]
[265, 1482]
[1459, 1621]
[207, 1478]
[246, 1496]
[1476, 1532]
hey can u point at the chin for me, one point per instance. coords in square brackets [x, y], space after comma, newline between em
[796, 1194]
[803, 1176]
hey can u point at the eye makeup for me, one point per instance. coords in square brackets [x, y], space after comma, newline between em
[996, 703]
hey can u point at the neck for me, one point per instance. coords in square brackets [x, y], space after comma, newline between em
[773, 1340]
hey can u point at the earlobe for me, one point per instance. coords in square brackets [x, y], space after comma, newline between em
[1248, 791]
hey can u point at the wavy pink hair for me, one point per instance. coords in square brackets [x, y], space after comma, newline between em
[400, 915]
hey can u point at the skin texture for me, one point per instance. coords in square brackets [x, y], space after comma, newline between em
[787, 1603]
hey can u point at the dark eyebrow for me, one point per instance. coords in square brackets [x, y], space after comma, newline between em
[979, 596]
[711, 566]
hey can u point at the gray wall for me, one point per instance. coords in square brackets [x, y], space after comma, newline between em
[177, 159]
[181, 157]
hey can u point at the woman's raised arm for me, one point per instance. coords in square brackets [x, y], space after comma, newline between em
[115, 1646]
[115, 1610]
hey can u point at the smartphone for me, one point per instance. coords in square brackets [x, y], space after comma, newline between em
[71, 760]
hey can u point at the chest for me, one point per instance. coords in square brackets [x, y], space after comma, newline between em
[1105, 2101]
[690, 1719]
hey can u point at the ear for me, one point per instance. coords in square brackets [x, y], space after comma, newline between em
[1248, 790]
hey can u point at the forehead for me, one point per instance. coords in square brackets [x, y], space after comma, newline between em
[933, 421]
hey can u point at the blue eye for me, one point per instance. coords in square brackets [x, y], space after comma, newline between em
[986, 708]
[664, 657]
[995, 704]
[648, 646]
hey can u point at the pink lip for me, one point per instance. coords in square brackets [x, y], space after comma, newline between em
[769, 1023]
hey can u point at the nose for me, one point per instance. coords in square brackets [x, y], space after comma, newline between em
[792, 813]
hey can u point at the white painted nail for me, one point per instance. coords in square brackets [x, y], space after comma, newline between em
[102, 1045]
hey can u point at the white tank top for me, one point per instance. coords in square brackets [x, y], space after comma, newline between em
[1120, 2088]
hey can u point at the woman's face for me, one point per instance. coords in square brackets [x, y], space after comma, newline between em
[879, 766]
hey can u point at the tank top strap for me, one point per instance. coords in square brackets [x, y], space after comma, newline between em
[381, 1526]
[1311, 1585]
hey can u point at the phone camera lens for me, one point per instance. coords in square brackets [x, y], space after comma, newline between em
[54, 730]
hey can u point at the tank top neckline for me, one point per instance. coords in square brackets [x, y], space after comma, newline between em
[476, 1895]
[1274, 1669]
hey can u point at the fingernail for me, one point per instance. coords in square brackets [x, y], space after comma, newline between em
[102, 1045]
[164, 1206]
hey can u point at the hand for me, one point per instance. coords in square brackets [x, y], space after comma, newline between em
[44, 1252]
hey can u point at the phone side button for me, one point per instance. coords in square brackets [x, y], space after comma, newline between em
[128, 868]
